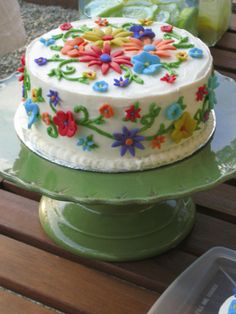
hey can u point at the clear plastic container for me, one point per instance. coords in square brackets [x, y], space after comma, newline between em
[207, 18]
[206, 287]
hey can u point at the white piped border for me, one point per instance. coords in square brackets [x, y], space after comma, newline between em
[58, 155]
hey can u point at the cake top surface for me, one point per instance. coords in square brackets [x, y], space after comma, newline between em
[117, 57]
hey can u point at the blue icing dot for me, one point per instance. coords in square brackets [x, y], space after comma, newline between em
[105, 57]
[149, 48]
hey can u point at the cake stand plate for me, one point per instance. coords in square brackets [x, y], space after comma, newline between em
[122, 216]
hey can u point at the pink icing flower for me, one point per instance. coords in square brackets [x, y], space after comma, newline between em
[65, 26]
[104, 58]
[167, 28]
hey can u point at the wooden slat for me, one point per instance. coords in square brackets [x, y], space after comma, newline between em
[209, 232]
[65, 285]
[226, 60]
[219, 202]
[150, 274]
[233, 22]
[228, 41]
[11, 187]
[15, 304]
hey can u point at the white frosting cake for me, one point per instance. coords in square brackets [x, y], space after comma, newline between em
[116, 95]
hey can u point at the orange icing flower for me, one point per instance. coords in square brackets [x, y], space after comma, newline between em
[158, 47]
[101, 22]
[157, 141]
[46, 118]
[182, 55]
[106, 111]
[183, 127]
[73, 47]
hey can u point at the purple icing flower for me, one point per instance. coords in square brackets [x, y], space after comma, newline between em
[128, 140]
[140, 32]
[121, 82]
[54, 99]
[41, 61]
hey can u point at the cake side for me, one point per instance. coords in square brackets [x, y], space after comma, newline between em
[142, 120]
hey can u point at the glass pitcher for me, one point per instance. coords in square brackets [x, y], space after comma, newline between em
[207, 19]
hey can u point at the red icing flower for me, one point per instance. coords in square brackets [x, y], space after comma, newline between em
[106, 111]
[65, 26]
[104, 58]
[132, 113]
[202, 91]
[21, 69]
[102, 22]
[157, 141]
[74, 47]
[66, 123]
[169, 78]
[167, 28]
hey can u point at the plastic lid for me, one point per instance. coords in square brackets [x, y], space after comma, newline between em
[206, 287]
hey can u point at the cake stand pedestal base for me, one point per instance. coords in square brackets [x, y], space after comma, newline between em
[117, 232]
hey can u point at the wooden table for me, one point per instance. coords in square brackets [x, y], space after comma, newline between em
[38, 277]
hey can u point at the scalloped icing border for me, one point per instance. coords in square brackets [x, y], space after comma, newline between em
[58, 155]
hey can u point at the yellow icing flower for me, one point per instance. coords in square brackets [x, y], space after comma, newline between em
[90, 75]
[146, 22]
[34, 94]
[182, 55]
[115, 37]
[183, 127]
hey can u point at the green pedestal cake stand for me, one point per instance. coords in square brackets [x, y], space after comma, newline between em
[125, 216]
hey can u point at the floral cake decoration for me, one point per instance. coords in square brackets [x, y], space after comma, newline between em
[130, 51]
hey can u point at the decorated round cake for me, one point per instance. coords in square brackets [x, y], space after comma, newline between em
[116, 95]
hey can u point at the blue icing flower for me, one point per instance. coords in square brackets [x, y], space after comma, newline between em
[145, 63]
[196, 53]
[100, 86]
[32, 109]
[174, 111]
[47, 42]
[212, 85]
[149, 48]
[140, 32]
[87, 143]
[121, 82]
[128, 140]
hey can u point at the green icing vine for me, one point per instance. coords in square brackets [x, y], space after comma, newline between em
[91, 123]
[182, 41]
[169, 66]
[75, 32]
[56, 48]
[60, 73]
[148, 119]
[26, 84]
[131, 76]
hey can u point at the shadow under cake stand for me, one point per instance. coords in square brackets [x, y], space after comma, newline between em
[124, 216]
